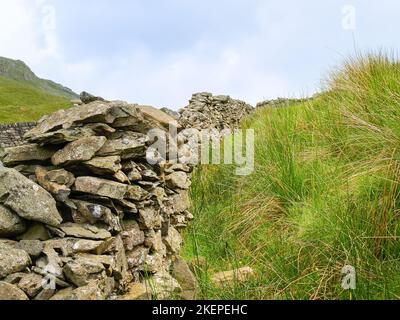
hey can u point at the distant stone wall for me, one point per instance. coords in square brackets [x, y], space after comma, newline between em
[11, 135]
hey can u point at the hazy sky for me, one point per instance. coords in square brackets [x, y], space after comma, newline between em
[160, 52]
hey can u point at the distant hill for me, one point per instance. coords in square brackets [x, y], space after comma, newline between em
[23, 102]
[26, 97]
[19, 71]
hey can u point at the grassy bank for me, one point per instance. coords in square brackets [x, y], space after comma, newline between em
[324, 194]
[20, 102]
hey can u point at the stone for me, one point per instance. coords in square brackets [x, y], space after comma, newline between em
[96, 112]
[36, 231]
[10, 223]
[31, 284]
[101, 187]
[163, 286]
[84, 231]
[173, 241]
[27, 152]
[180, 201]
[29, 200]
[136, 291]
[159, 117]
[229, 278]
[78, 151]
[59, 191]
[61, 176]
[94, 290]
[177, 180]
[186, 279]
[136, 193]
[63, 136]
[45, 294]
[120, 176]
[87, 212]
[104, 165]
[10, 292]
[86, 246]
[137, 257]
[86, 98]
[153, 263]
[149, 218]
[155, 243]
[132, 236]
[127, 145]
[33, 247]
[81, 271]
[12, 260]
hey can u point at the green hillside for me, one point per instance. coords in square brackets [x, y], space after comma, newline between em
[19, 71]
[324, 194]
[20, 101]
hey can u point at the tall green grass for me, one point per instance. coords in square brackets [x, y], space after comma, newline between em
[20, 102]
[324, 194]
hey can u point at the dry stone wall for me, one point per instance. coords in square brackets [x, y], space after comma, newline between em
[84, 216]
[206, 111]
[82, 210]
[11, 135]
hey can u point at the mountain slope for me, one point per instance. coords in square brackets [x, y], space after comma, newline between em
[325, 193]
[19, 71]
[23, 102]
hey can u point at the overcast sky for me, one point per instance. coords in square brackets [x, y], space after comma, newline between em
[160, 52]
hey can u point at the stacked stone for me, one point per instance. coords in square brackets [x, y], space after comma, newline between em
[11, 134]
[82, 213]
[206, 111]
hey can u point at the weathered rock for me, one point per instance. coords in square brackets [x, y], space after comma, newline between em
[163, 286]
[95, 290]
[96, 112]
[10, 223]
[177, 180]
[33, 247]
[27, 152]
[27, 199]
[12, 260]
[149, 218]
[180, 201]
[136, 193]
[104, 165]
[36, 231]
[87, 212]
[173, 241]
[137, 257]
[137, 291]
[86, 98]
[60, 192]
[84, 231]
[229, 278]
[31, 284]
[127, 145]
[81, 271]
[101, 187]
[132, 236]
[78, 151]
[61, 176]
[186, 279]
[159, 117]
[10, 292]
[155, 243]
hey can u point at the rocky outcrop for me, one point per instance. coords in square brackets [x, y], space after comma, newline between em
[83, 215]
